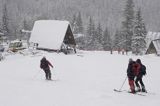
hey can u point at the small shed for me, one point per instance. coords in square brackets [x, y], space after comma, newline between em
[154, 47]
[52, 35]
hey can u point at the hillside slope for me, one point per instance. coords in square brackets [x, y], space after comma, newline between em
[87, 79]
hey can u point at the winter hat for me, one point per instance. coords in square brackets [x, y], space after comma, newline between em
[44, 58]
[138, 61]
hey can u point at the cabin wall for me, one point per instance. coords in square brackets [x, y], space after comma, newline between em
[151, 49]
[69, 38]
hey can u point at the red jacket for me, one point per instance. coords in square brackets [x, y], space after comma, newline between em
[136, 68]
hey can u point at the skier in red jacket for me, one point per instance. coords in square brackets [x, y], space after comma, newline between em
[44, 64]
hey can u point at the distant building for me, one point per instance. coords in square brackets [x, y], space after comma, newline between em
[154, 47]
[53, 35]
[153, 43]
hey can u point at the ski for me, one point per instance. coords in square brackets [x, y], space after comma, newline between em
[137, 93]
[116, 90]
[80, 55]
[53, 80]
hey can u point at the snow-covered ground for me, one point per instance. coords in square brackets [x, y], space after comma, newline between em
[85, 79]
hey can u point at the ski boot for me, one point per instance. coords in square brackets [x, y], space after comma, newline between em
[132, 91]
[144, 90]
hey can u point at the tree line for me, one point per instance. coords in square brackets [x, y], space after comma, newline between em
[92, 36]
[130, 37]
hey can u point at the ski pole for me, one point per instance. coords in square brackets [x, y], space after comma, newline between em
[123, 84]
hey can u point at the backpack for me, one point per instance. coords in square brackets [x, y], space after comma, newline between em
[143, 69]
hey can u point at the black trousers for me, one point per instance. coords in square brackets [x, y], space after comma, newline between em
[47, 73]
[139, 79]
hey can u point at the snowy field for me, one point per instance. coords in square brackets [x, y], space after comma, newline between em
[85, 79]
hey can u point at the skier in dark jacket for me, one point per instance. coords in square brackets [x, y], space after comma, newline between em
[142, 71]
[44, 64]
[132, 71]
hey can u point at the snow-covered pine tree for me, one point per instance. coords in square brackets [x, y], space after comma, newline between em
[74, 24]
[96, 45]
[77, 27]
[138, 40]
[107, 43]
[5, 21]
[26, 28]
[99, 36]
[128, 24]
[25, 25]
[118, 40]
[79, 23]
[90, 35]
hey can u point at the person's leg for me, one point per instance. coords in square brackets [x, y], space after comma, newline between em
[131, 84]
[137, 85]
[141, 82]
[46, 74]
[49, 75]
[142, 85]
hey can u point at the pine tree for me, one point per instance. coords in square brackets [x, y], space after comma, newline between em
[138, 42]
[25, 25]
[99, 36]
[90, 35]
[5, 21]
[74, 24]
[77, 28]
[107, 40]
[79, 23]
[118, 40]
[99, 32]
[95, 44]
[128, 24]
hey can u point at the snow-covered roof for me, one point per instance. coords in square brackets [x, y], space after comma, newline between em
[49, 33]
[152, 36]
